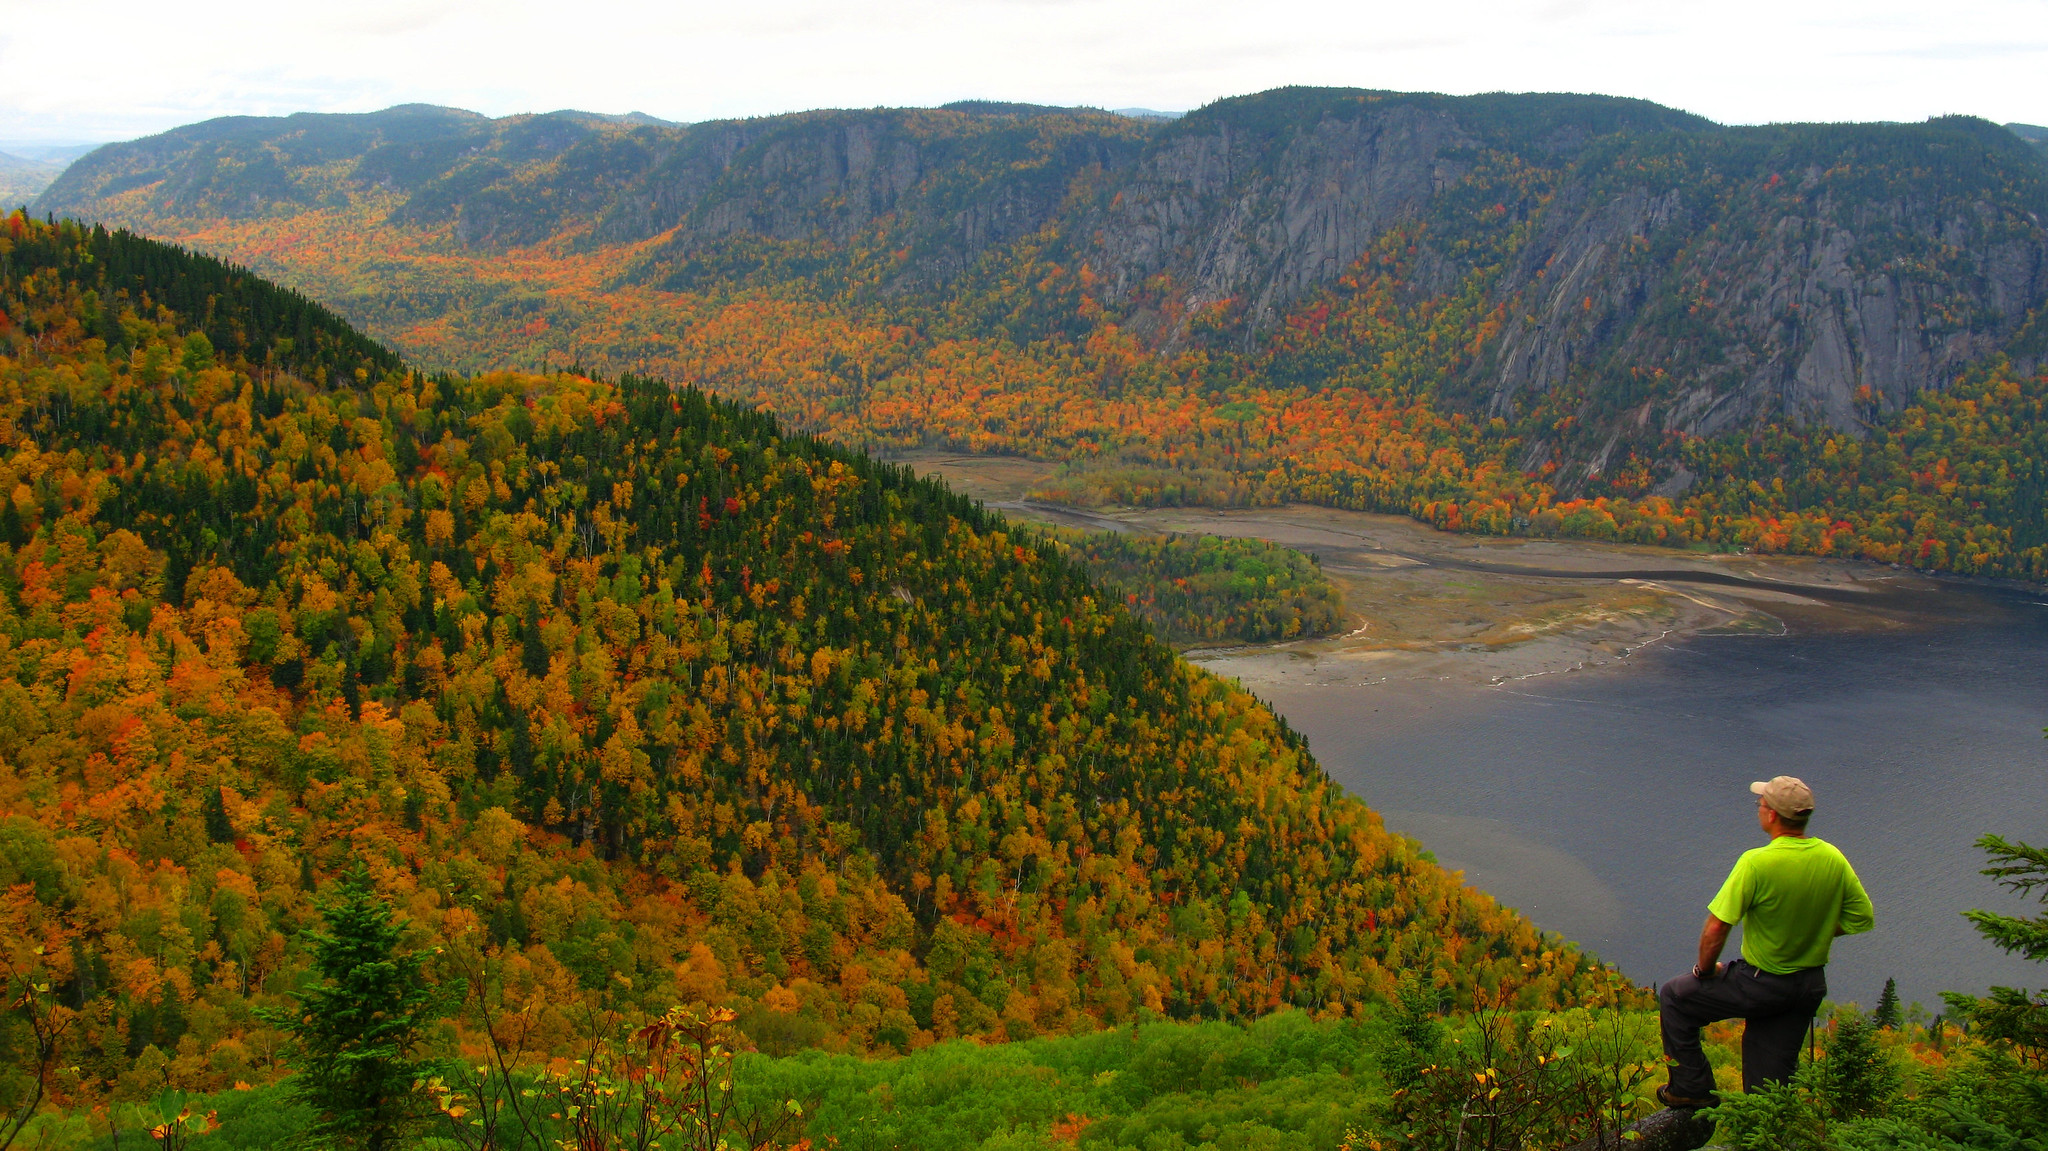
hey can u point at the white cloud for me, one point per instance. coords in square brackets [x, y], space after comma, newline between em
[148, 66]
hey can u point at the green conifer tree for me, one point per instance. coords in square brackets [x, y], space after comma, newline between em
[2023, 868]
[218, 829]
[356, 1034]
[1886, 1017]
[1856, 1075]
[2012, 1015]
[1417, 1022]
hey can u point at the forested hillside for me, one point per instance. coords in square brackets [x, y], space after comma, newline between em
[2033, 134]
[1547, 314]
[22, 179]
[620, 684]
[1210, 589]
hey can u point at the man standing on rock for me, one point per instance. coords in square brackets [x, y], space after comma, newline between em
[1793, 896]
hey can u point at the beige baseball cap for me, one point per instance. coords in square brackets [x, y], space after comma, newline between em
[1788, 796]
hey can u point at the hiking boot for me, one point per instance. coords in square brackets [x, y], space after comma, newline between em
[1677, 1102]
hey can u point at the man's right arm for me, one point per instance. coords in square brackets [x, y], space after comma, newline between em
[1730, 904]
[1713, 937]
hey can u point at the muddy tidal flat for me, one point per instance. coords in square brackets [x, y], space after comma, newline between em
[1426, 605]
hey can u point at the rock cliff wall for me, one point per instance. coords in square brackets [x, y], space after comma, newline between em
[1777, 280]
[1213, 205]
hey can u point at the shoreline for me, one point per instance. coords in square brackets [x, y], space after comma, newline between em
[1489, 690]
[1428, 605]
[1003, 481]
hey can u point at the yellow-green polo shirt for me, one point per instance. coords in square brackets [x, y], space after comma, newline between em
[1792, 896]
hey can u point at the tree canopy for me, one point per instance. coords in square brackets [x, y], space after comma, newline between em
[611, 679]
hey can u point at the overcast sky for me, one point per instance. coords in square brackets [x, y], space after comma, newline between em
[114, 69]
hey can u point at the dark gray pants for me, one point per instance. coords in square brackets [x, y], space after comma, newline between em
[1776, 1008]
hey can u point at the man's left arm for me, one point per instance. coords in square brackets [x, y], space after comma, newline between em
[1857, 915]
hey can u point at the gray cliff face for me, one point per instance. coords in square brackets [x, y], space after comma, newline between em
[1228, 221]
[842, 181]
[1766, 310]
[946, 186]
[1815, 313]
[731, 180]
[1698, 307]
[1582, 251]
[949, 184]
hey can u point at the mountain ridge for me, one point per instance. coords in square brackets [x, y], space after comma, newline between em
[22, 179]
[1250, 202]
[1583, 298]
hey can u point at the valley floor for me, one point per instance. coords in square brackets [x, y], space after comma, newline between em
[1545, 716]
[1427, 605]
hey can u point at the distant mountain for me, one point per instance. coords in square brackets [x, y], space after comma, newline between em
[1147, 114]
[1575, 297]
[58, 154]
[629, 119]
[2033, 134]
[1254, 203]
[242, 165]
[22, 179]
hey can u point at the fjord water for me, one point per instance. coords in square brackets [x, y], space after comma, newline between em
[1608, 805]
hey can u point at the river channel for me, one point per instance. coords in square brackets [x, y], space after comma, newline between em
[1607, 804]
[1575, 726]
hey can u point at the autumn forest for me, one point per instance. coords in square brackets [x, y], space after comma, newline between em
[457, 565]
[612, 685]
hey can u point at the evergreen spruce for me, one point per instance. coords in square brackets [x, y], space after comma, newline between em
[2022, 868]
[2011, 1015]
[1856, 1074]
[1421, 1031]
[533, 650]
[218, 829]
[356, 1033]
[1886, 1017]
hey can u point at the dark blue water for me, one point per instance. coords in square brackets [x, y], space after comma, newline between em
[1609, 805]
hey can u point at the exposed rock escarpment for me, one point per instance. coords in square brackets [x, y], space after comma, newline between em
[1802, 293]
[1218, 206]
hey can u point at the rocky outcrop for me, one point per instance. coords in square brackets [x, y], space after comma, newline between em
[1667, 1130]
[1809, 300]
[1212, 204]
[945, 185]
[1265, 199]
